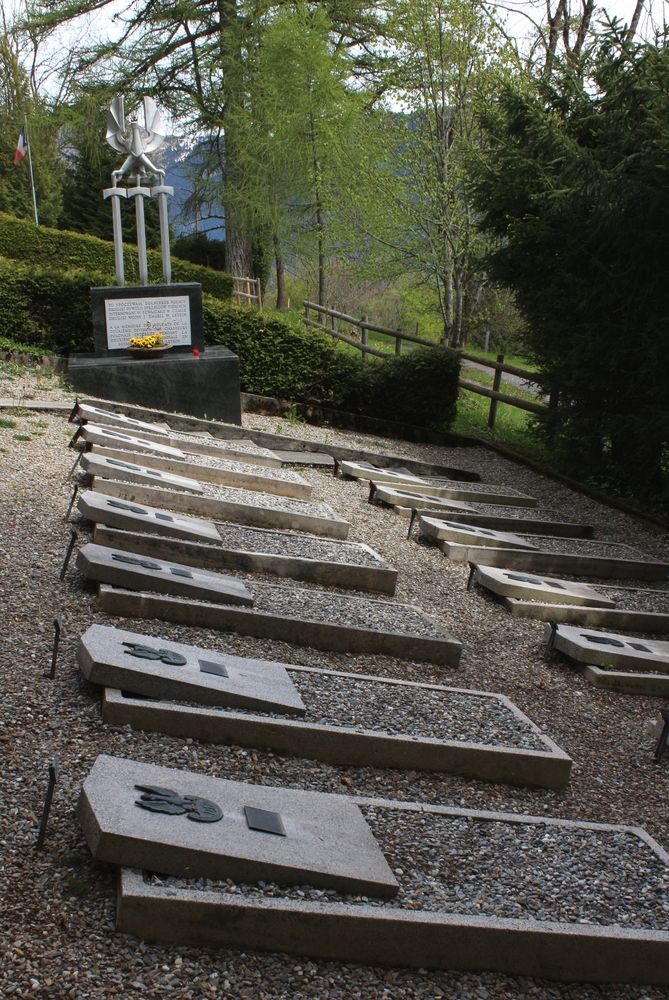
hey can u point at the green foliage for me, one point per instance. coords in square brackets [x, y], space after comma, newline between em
[39, 246]
[199, 248]
[575, 188]
[278, 357]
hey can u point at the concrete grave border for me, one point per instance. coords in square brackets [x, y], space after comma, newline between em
[586, 617]
[347, 746]
[237, 479]
[327, 636]
[570, 591]
[555, 562]
[562, 952]
[514, 525]
[198, 505]
[371, 579]
[222, 448]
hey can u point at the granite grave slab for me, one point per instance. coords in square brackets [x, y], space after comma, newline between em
[261, 510]
[107, 437]
[97, 414]
[396, 496]
[440, 531]
[545, 589]
[478, 891]
[240, 475]
[437, 487]
[326, 561]
[610, 649]
[121, 569]
[579, 557]
[311, 837]
[130, 472]
[129, 516]
[322, 619]
[356, 720]
[160, 668]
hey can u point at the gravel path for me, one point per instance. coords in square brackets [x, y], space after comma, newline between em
[58, 906]
[460, 865]
[302, 546]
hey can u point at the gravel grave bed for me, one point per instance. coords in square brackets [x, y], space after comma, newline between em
[229, 465]
[638, 600]
[586, 547]
[58, 905]
[462, 865]
[397, 710]
[525, 513]
[337, 609]
[456, 484]
[241, 444]
[236, 536]
[268, 501]
[429, 714]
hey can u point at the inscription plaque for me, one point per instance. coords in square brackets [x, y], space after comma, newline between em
[142, 317]
[264, 821]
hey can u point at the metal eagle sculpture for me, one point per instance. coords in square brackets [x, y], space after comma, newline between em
[136, 141]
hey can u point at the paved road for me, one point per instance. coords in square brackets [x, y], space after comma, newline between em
[506, 376]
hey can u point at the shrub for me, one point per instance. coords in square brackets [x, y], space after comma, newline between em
[40, 246]
[279, 358]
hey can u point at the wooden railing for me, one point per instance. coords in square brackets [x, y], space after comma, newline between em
[250, 294]
[361, 344]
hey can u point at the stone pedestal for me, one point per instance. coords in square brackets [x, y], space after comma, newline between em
[203, 386]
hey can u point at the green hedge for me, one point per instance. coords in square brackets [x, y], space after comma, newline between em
[280, 358]
[48, 309]
[40, 246]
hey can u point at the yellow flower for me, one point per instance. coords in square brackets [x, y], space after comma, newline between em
[153, 340]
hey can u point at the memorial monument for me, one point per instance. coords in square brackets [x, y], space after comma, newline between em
[149, 339]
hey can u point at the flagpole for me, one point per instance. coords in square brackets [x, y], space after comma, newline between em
[32, 176]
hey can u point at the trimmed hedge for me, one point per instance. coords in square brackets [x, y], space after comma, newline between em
[47, 309]
[279, 358]
[40, 246]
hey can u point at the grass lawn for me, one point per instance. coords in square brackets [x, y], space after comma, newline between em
[511, 426]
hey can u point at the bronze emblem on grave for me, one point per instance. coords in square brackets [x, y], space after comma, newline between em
[165, 800]
[147, 653]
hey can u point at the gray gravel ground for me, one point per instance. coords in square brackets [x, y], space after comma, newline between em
[424, 712]
[302, 546]
[229, 465]
[341, 609]
[268, 501]
[58, 936]
[464, 865]
[586, 547]
[455, 484]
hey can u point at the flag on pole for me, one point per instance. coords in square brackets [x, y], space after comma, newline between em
[21, 146]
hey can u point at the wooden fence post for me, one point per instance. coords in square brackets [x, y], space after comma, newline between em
[398, 343]
[364, 336]
[259, 294]
[496, 382]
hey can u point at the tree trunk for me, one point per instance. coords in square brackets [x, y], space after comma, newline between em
[238, 239]
[280, 276]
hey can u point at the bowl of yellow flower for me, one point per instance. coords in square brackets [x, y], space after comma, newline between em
[151, 346]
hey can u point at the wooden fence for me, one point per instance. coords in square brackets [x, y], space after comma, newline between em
[247, 292]
[361, 344]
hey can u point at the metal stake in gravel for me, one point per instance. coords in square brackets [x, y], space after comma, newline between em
[664, 736]
[53, 778]
[68, 554]
[74, 497]
[57, 629]
[79, 457]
